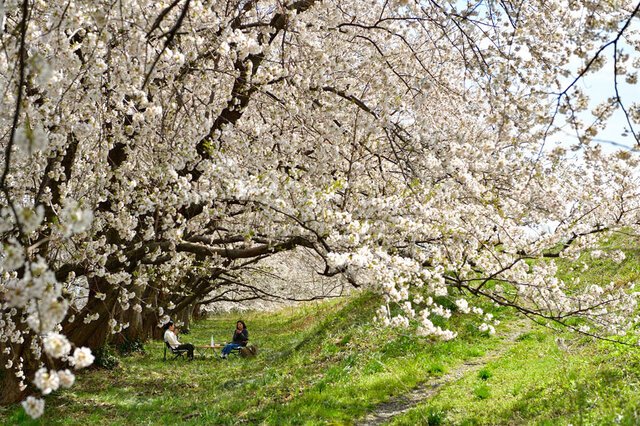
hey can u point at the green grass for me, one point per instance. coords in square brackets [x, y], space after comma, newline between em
[537, 383]
[549, 378]
[321, 363]
[329, 363]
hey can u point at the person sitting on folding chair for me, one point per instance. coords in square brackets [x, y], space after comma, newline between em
[240, 339]
[171, 338]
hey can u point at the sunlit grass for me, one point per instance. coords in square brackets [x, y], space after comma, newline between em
[324, 362]
[329, 363]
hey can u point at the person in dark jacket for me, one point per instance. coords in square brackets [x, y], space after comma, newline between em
[240, 339]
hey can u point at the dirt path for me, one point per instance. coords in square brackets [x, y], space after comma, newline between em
[400, 404]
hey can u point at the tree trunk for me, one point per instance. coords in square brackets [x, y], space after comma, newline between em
[198, 312]
[184, 316]
[96, 333]
[149, 315]
[135, 331]
[9, 383]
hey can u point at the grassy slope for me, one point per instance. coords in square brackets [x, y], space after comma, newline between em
[550, 378]
[324, 363]
[329, 364]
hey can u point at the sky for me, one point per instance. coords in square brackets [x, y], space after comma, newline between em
[600, 86]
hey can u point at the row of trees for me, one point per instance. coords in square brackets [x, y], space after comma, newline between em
[156, 152]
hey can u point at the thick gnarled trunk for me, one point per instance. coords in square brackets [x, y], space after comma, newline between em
[95, 333]
[9, 382]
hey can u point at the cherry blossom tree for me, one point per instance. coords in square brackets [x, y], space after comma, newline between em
[155, 153]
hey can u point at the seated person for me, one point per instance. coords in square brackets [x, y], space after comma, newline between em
[240, 338]
[171, 338]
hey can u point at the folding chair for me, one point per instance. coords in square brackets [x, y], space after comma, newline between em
[177, 353]
[235, 351]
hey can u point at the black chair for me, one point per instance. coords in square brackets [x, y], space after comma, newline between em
[177, 353]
